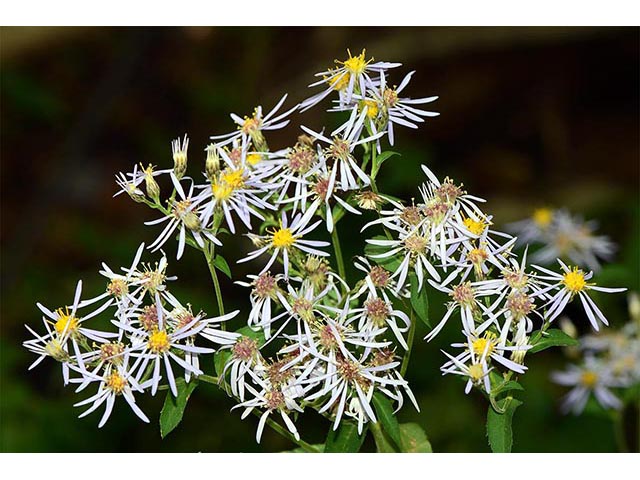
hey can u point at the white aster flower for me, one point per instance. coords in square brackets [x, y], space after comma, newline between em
[592, 377]
[251, 128]
[570, 283]
[115, 381]
[285, 239]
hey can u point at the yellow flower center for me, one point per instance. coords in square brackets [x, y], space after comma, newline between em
[159, 341]
[251, 124]
[479, 345]
[116, 383]
[476, 372]
[589, 379]
[574, 280]
[224, 186]
[355, 64]
[254, 158]
[66, 323]
[340, 83]
[283, 238]
[542, 217]
[372, 108]
[235, 178]
[474, 226]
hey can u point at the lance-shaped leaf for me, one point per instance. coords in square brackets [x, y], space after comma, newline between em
[553, 338]
[380, 159]
[414, 439]
[499, 430]
[419, 300]
[345, 439]
[221, 264]
[173, 408]
[384, 412]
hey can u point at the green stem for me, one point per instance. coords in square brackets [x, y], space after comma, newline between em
[336, 247]
[407, 355]
[209, 254]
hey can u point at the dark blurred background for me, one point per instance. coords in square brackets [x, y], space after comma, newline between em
[529, 117]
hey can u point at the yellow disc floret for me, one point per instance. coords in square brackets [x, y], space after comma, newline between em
[66, 322]
[574, 280]
[372, 108]
[116, 383]
[589, 379]
[476, 372]
[474, 226]
[357, 64]
[481, 345]
[159, 341]
[542, 217]
[283, 238]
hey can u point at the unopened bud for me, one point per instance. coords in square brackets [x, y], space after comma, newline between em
[180, 156]
[153, 189]
[212, 164]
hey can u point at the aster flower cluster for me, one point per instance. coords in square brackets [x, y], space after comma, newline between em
[608, 362]
[150, 340]
[313, 338]
[560, 234]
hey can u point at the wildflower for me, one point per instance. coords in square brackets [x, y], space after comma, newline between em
[234, 189]
[350, 379]
[572, 238]
[67, 327]
[264, 291]
[385, 108]
[594, 378]
[340, 147]
[251, 128]
[182, 216]
[352, 75]
[377, 313]
[273, 399]
[476, 371]
[285, 239]
[115, 381]
[157, 345]
[570, 283]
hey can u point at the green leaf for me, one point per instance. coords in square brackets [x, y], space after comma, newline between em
[419, 300]
[553, 338]
[414, 439]
[384, 411]
[221, 264]
[318, 446]
[390, 263]
[383, 443]
[345, 439]
[173, 408]
[191, 242]
[380, 159]
[220, 359]
[499, 431]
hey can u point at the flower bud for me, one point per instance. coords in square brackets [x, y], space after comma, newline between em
[212, 164]
[180, 156]
[153, 189]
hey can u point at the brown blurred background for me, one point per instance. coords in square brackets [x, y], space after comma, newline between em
[529, 117]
